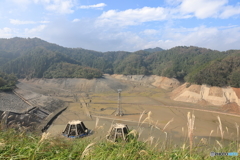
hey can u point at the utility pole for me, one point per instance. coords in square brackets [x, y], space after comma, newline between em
[119, 110]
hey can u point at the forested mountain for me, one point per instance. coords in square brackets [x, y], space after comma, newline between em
[29, 58]
[35, 63]
[10, 49]
[15, 47]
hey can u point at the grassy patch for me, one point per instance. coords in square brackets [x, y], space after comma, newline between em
[21, 145]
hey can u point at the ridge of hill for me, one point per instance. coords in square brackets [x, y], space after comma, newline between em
[152, 50]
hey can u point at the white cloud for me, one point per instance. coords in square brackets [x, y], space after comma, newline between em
[132, 16]
[35, 30]
[59, 6]
[173, 2]
[208, 8]
[85, 35]
[99, 5]
[76, 20]
[5, 32]
[122, 40]
[44, 21]
[19, 22]
[182, 9]
[202, 8]
[97, 35]
[223, 38]
[21, 2]
[150, 32]
[230, 11]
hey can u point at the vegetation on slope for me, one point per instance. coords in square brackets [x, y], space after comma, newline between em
[12, 48]
[41, 63]
[67, 70]
[21, 145]
[7, 82]
[221, 72]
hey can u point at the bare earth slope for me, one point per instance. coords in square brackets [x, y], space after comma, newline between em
[156, 81]
[63, 86]
[213, 95]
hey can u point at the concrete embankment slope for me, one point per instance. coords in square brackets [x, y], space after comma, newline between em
[11, 102]
[27, 109]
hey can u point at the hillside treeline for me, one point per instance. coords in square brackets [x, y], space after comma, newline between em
[68, 70]
[29, 58]
[7, 81]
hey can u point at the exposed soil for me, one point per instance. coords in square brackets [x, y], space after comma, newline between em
[231, 108]
[213, 95]
[237, 91]
[216, 91]
[156, 81]
[195, 88]
[89, 99]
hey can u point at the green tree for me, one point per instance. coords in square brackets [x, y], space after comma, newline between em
[2, 82]
[235, 79]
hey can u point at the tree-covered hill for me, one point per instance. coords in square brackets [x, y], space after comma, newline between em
[178, 62]
[28, 58]
[220, 72]
[40, 62]
[35, 63]
[10, 49]
[16, 47]
[20, 46]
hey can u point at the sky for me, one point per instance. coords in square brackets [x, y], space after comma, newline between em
[124, 25]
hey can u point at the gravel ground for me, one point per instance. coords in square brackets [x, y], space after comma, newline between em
[11, 102]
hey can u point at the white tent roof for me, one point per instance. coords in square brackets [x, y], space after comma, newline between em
[119, 125]
[74, 122]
